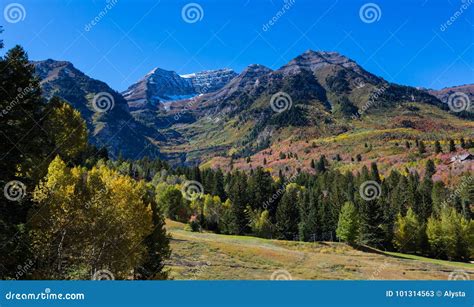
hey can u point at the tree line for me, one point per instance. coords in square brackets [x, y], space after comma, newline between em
[399, 212]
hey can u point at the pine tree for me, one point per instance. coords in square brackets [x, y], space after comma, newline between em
[452, 146]
[157, 243]
[238, 197]
[438, 148]
[421, 147]
[321, 165]
[24, 152]
[430, 168]
[287, 215]
[217, 187]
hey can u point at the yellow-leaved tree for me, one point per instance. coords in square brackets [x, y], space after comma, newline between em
[66, 129]
[85, 221]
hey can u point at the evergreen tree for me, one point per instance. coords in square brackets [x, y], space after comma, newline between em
[430, 168]
[24, 152]
[321, 165]
[452, 146]
[217, 187]
[157, 243]
[438, 148]
[238, 196]
[421, 147]
[287, 215]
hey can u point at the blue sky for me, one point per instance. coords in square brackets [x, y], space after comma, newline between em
[404, 43]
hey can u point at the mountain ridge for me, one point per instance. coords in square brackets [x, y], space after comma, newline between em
[330, 94]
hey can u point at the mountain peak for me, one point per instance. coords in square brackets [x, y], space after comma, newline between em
[314, 60]
[160, 85]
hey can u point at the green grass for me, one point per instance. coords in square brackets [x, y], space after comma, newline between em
[209, 256]
[464, 265]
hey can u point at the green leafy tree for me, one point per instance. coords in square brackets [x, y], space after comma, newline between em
[407, 232]
[72, 207]
[66, 129]
[170, 199]
[451, 235]
[348, 224]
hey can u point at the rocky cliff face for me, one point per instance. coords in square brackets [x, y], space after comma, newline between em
[161, 86]
[210, 80]
[113, 126]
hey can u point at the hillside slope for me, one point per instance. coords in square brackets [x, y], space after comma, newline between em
[213, 256]
[109, 121]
